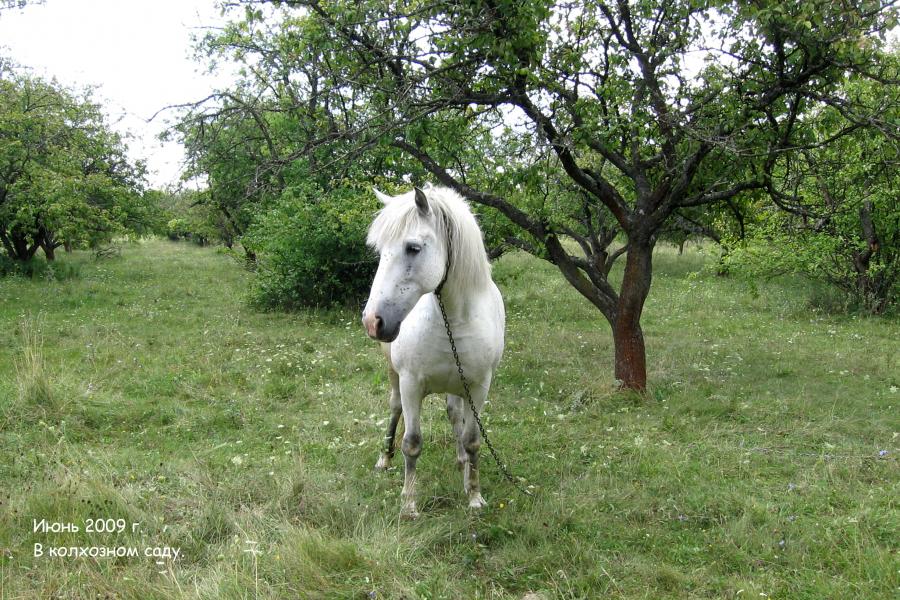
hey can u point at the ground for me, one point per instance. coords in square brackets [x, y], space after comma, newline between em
[762, 463]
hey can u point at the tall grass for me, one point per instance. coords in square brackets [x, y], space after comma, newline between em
[32, 374]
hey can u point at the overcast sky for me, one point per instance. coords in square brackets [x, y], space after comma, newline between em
[137, 52]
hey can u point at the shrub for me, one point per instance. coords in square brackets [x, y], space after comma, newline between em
[311, 248]
[829, 253]
[177, 229]
[189, 215]
[8, 266]
[195, 229]
[38, 268]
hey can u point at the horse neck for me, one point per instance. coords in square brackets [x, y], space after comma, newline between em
[459, 301]
[460, 294]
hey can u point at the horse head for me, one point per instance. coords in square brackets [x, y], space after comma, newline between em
[412, 245]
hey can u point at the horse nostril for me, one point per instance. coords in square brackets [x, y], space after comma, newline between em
[379, 325]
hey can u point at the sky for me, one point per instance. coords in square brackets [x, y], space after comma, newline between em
[137, 53]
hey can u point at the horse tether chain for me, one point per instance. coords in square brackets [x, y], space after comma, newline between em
[437, 292]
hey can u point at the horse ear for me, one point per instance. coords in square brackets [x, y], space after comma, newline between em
[421, 201]
[384, 198]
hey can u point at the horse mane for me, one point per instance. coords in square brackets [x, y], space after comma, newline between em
[469, 266]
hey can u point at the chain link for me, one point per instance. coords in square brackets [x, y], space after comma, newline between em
[465, 383]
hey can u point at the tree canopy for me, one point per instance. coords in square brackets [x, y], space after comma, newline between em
[64, 174]
[845, 224]
[591, 121]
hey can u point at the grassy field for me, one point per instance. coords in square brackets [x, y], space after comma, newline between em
[762, 464]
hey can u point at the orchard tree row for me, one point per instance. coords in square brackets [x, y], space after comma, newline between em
[65, 179]
[769, 127]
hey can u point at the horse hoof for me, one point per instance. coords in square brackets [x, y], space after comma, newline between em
[409, 513]
[477, 502]
[383, 464]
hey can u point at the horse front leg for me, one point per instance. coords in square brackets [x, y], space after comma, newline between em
[411, 400]
[387, 453]
[456, 415]
[470, 440]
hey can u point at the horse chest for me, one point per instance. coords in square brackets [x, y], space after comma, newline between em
[423, 351]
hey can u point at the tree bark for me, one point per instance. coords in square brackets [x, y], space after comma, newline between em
[628, 338]
[20, 246]
[862, 260]
[7, 244]
[19, 243]
[47, 242]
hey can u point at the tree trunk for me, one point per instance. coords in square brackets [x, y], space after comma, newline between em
[722, 269]
[862, 260]
[631, 356]
[7, 244]
[47, 241]
[20, 245]
[21, 249]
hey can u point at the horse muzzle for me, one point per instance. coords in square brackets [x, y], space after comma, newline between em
[379, 329]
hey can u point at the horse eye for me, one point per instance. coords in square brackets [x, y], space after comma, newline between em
[412, 248]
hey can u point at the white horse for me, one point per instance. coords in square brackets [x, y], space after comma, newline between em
[429, 240]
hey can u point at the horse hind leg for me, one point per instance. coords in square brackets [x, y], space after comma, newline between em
[469, 444]
[387, 452]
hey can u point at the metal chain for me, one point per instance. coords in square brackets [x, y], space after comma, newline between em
[437, 292]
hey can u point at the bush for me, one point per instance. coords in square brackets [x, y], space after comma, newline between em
[311, 248]
[38, 268]
[189, 215]
[830, 255]
[9, 266]
[176, 229]
[194, 229]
